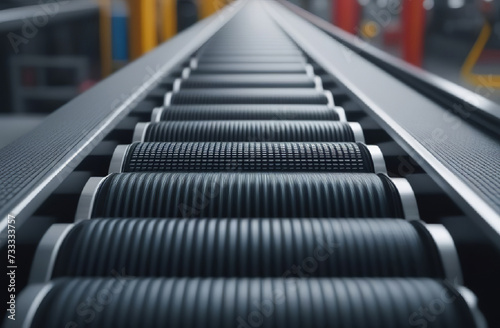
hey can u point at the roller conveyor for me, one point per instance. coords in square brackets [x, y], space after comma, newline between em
[254, 193]
[250, 130]
[247, 156]
[230, 194]
[193, 302]
[248, 112]
[258, 68]
[259, 96]
[224, 58]
[249, 81]
[352, 247]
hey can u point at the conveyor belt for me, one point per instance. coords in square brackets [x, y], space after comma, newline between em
[247, 200]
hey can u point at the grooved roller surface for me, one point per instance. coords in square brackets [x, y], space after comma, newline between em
[248, 81]
[227, 195]
[247, 156]
[249, 47]
[227, 58]
[248, 96]
[249, 112]
[259, 131]
[248, 248]
[257, 68]
[264, 302]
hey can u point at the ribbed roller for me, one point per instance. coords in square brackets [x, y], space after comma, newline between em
[248, 302]
[251, 59]
[250, 131]
[249, 112]
[249, 248]
[248, 81]
[255, 68]
[250, 51]
[251, 45]
[248, 96]
[247, 156]
[236, 195]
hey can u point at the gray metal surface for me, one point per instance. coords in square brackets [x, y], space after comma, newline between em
[447, 251]
[34, 165]
[460, 157]
[46, 253]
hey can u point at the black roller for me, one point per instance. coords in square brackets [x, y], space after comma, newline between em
[247, 96]
[247, 156]
[248, 44]
[249, 112]
[236, 195]
[255, 68]
[249, 248]
[251, 59]
[250, 131]
[248, 81]
[248, 51]
[250, 47]
[251, 302]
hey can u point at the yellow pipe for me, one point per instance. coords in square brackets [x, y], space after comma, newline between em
[142, 27]
[168, 19]
[492, 81]
[105, 36]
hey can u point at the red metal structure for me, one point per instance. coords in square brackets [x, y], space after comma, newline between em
[346, 15]
[413, 28]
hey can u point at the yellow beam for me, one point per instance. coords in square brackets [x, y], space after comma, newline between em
[488, 80]
[142, 27]
[168, 19]
[208, 7]
[105, 36]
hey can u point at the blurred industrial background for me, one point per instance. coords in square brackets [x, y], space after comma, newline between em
[458, 40]
[52, 50]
